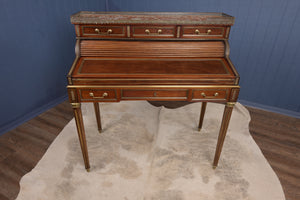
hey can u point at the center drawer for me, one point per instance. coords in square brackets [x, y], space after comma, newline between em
[153, 31]
[169, 94]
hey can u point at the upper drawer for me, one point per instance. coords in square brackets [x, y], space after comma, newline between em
[203, 32]
[153, 31]
[103, 31]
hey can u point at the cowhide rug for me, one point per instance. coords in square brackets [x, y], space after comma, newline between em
[154, 153]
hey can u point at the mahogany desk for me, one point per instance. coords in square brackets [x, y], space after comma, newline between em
[152, 56]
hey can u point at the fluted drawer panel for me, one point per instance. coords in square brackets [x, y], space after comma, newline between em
[151, 48]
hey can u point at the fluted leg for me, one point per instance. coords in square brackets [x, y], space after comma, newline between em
[223, 130]
[98, 117]
[81, 134]
[203, 108]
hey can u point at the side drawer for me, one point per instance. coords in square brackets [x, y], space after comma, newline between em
[153, 31]
[98, 94]
[104, 31]
[203, 31]
[176, 94]
[211, 94]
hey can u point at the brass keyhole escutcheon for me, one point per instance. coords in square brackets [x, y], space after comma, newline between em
[154, 94]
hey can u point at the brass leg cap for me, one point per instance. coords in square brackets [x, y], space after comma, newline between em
[88, 169]
[214, 167]
[199, 129]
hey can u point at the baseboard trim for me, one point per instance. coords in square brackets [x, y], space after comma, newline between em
[32, 114]
[271, 108]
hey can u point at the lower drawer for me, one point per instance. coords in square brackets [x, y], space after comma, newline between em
[217, 94]
[98, 94]
[176, 94]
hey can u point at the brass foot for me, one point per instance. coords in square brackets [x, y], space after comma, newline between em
[199, 129]
[214, 167]
[100, 131]
[88, 169]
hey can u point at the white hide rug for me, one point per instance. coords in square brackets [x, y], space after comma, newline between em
[154, 153]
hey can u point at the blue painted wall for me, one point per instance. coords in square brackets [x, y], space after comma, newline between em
[37, 49]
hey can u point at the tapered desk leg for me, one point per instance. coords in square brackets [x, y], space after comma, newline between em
[225, 122]
[203, 108]
[81, 134]
[98, 117]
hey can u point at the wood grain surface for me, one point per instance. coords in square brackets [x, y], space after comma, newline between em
[154, 49]
[20, 149]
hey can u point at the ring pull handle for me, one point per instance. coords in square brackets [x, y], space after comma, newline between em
[97, 30]
[147, 31]
[159, 31]
[197, 31]
[208, 31]
[105, 94]
[203, 94]
[216, 94]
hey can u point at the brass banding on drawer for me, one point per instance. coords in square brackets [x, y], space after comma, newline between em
[97, 94]
[180, 94]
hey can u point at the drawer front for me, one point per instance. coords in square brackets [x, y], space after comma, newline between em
[103, 31]
[155, 94]
[153, 31]
[98, 95]
[201, 31]
[212, 94]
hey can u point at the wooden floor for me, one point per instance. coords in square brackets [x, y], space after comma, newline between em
[277, 135]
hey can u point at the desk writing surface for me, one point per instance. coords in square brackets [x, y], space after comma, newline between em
[91, 66]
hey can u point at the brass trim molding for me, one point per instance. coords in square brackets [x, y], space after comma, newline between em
[230, 104]
[153, 86]
[75, 105]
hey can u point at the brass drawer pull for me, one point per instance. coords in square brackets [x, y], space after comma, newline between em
[197, 31]
[109, 31]
[208, 31]
[204, 95]
[147, 31]
[105, 94]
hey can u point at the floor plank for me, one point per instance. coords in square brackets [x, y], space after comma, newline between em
[277, 135]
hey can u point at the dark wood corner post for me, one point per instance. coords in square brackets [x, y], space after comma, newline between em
[203, 108]
[98, 116]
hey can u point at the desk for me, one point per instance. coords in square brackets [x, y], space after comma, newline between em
[152, 56]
